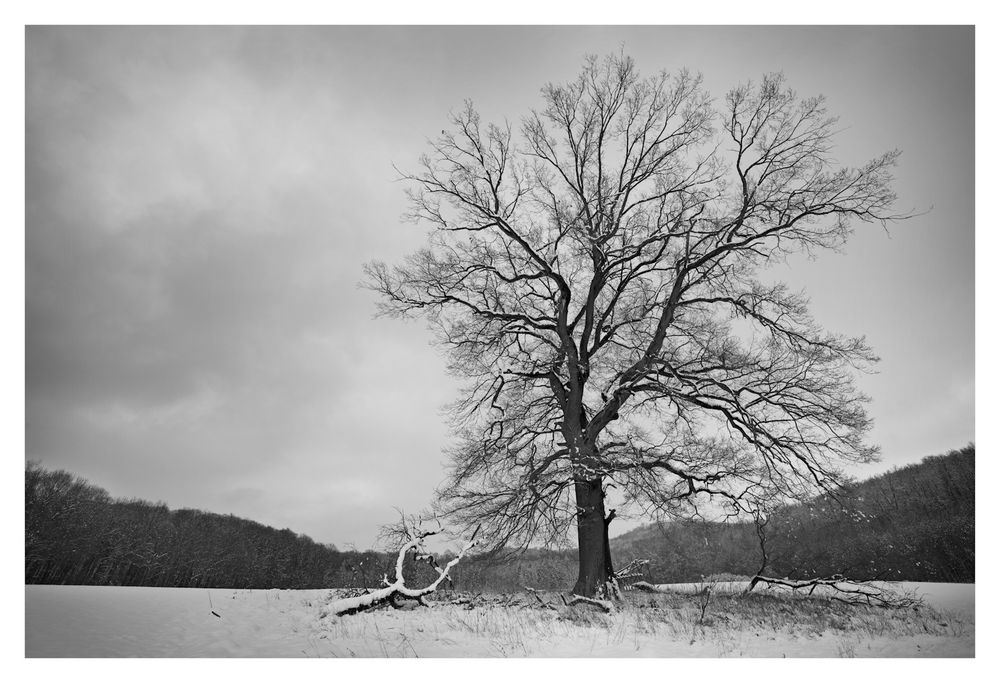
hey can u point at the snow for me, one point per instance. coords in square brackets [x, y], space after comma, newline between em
[93, 621]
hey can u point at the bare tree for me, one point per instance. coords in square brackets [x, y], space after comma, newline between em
[595, 280]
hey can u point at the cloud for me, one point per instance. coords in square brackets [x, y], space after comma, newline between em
[200, 201]
[195, 238]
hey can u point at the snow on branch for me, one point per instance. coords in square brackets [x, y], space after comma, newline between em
[398, 587]
[605, 605]
[633, 570]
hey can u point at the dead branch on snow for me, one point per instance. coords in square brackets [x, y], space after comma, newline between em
[842, 590]
[538, 597]
[398, 588]
[605, 605]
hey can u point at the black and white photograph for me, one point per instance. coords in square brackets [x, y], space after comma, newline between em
[499, 341]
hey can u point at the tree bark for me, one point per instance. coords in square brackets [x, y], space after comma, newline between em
[592, 535]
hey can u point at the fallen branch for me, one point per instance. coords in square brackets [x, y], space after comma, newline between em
[625, 576]
[398, 588]
[538, 597]
[834, 587]
[605, 605]
[842, 590]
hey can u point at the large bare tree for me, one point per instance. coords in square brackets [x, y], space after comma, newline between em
[595, 279]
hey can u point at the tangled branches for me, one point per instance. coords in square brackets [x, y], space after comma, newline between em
[845, 591]
[398, 587]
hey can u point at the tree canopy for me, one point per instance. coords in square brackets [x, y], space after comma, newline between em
[596, 276]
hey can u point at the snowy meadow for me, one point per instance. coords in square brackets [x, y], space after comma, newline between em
[100, 621]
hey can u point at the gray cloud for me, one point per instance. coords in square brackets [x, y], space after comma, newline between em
[200, 201]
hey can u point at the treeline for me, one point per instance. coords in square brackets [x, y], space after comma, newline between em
[915, 523]
[541, 569]
[75, 533]
[684, 551]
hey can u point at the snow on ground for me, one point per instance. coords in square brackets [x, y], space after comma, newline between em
[95, 621]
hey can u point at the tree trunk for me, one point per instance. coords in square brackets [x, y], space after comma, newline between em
[592, 534]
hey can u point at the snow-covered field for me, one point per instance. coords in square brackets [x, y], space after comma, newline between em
[89, 621]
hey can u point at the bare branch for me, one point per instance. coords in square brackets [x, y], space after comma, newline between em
[398, 587]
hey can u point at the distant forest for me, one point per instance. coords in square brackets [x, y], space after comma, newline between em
[915, 523]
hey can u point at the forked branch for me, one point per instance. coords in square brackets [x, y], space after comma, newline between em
[398, 587]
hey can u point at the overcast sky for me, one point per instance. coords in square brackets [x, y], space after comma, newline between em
[200, 203]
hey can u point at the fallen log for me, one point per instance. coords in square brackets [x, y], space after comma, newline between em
[398, 588]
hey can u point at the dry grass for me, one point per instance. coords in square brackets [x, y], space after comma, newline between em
[755, 624]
